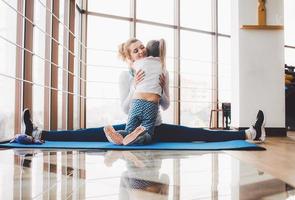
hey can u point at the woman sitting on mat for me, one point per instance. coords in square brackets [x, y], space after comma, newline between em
[144, 106]
[162, 132]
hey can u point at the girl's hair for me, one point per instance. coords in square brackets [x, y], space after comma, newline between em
[124, 51]
[157, 48]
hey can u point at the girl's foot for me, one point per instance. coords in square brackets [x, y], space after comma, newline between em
[112, 135]
[130, 138]
[132, 157]
[111, 157]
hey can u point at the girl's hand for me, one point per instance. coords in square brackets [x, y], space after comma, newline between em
[139, 76]
[162, 79]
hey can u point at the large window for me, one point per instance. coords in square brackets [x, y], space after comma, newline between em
[224, 19]
[224, 69]
[196, 78]
[8, 48]
[40, 53]
[110, 7]
[39, 62]
[77, 69]
[152, 10]
[103, 70]
[224, 52]
[187, 27]
[196, 14]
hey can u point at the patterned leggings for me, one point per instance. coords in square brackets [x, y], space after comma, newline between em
[142, 113]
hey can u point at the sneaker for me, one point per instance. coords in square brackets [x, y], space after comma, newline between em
[250, 133]
[112, 135]
[28, 122]
[37, 135]
[130, 138]
[259, 127]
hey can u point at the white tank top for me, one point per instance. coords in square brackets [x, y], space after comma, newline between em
[152, 69]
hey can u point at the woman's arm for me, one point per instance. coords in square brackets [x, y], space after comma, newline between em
[127, 85]
[165, 99]
[126, 91]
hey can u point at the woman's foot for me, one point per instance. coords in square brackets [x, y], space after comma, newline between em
[260, 126]
[257, 133]
[130, 138]
[112, 135]
[29, 127]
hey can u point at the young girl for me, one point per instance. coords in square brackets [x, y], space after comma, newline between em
[145, 101]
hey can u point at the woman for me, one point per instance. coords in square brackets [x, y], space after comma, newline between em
[133, 50]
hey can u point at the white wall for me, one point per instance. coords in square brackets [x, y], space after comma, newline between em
[258, 65]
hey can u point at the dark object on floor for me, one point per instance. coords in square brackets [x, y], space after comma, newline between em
[290, 97]
[226, 108]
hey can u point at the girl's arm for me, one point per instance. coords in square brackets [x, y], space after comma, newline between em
[165, 99]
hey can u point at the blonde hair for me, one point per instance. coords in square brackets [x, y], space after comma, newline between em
[157, 48]
[124, 50]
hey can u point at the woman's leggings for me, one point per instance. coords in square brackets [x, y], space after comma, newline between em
[162, 133]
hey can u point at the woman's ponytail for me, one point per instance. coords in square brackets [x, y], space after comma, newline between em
[121, 51]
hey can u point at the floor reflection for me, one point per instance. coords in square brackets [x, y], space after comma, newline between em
[133, 175]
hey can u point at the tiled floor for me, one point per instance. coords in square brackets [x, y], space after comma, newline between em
[133, 175]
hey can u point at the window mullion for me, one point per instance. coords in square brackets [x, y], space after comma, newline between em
[18, 67]
[214, 104]
[133, 17]
[28, 57]
[177, 62]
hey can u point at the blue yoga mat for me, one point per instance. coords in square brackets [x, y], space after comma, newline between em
[228, 145]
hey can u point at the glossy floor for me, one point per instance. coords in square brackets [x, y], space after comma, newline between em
[133, 175]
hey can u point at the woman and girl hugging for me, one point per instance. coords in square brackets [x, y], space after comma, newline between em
[144, 89]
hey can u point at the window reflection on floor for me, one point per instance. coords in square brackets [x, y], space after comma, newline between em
[26, 174]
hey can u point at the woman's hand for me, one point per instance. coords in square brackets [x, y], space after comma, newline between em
[162, 79]
[139, 76]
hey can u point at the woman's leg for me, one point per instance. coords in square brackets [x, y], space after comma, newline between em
[177, 133]
[89, 134]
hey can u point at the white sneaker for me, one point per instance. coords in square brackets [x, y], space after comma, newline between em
[36, 134]
[253, 137]
[251, 132]
[260, 127]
